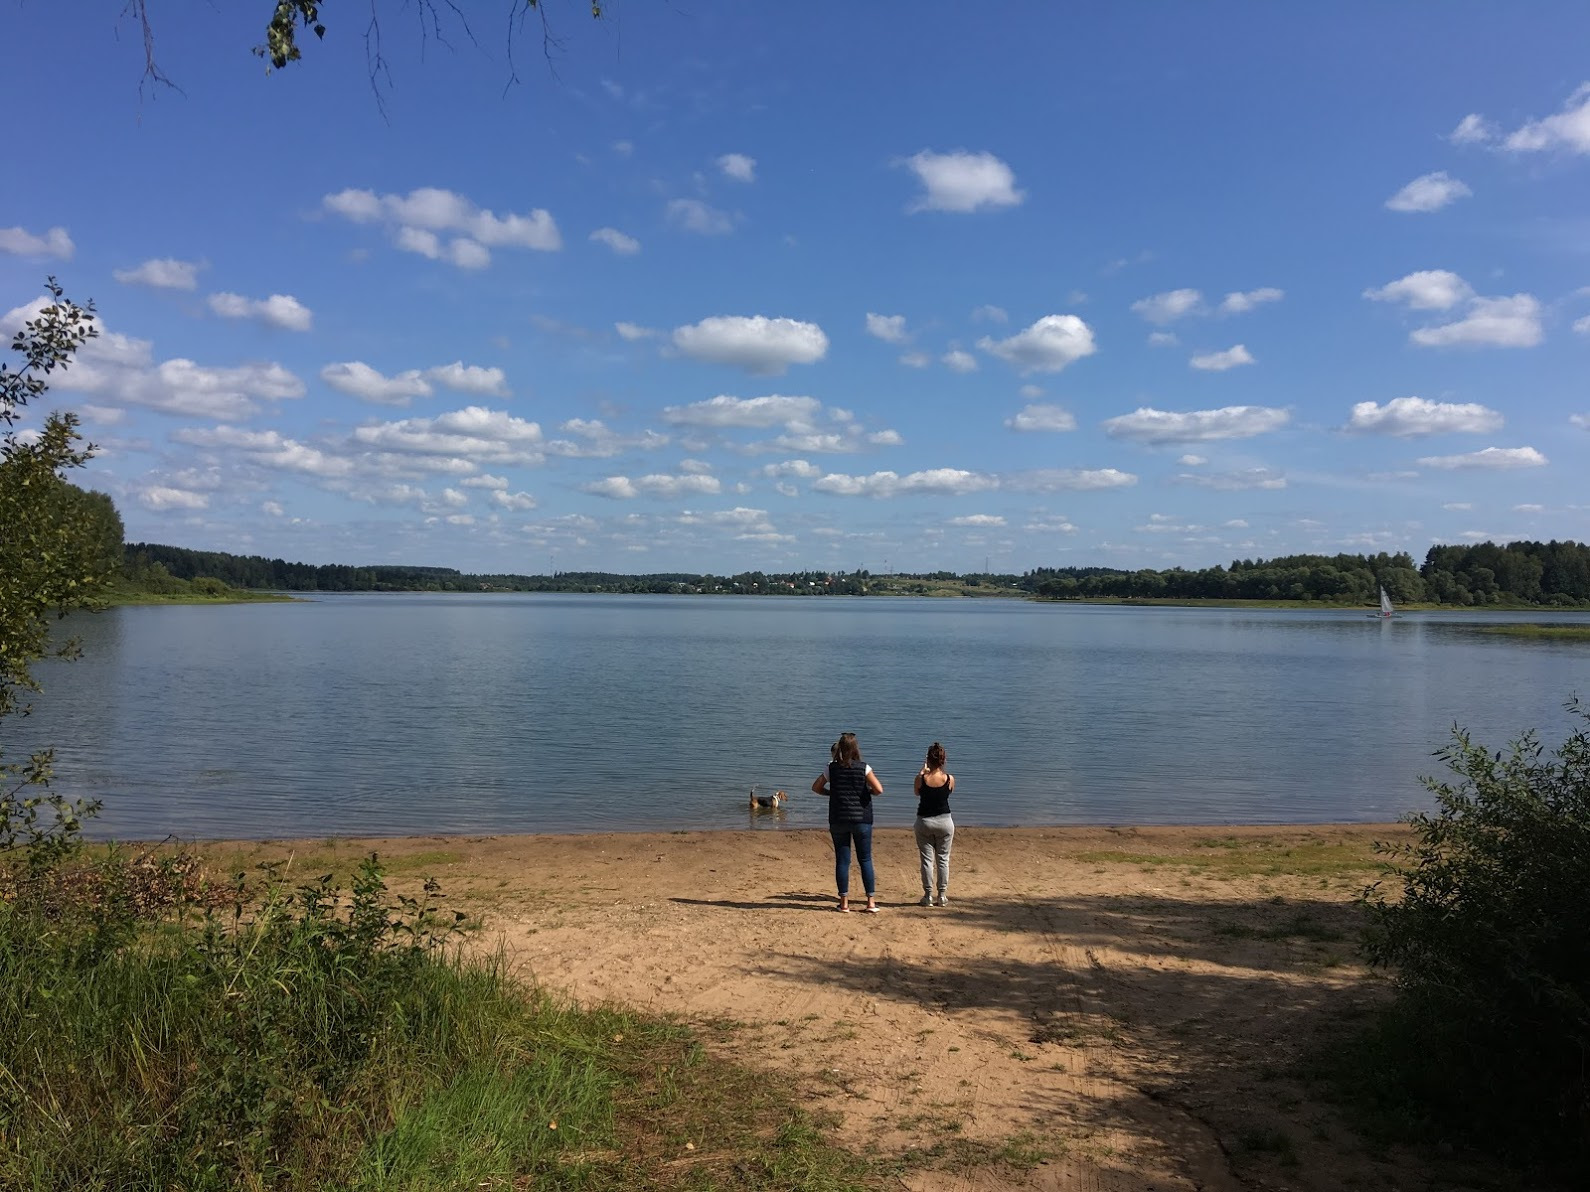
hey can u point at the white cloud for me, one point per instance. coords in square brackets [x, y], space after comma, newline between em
[1473, 129]
[1492, 458]
[358, 379]
[444, 211]
[20, 242]
[935, 481]
[1529, 509]
[962, 181]
[1192, 461]
[270, 449]
[119, 369]
[272, 509]
[514, 502]
[1162, 339]
[800, 469]
[978, 520]
[1429, 289]
[460, 251]
[162, 273]
[758, 413]
[695, 216]
[1170, 306]
[959, 361]
[1031, 392]
[472, 433]
[916, 359]
[623, 488]
[738, 166]
[1240, 302]
[485, 480]
[1458, 506]
[1050, 344]
[889, 328]
[1148, 425]
[1491, 322]
[1428, 192]
[1582, 421]
[1406, 417]
[1042, 417]
[634, 331]
[162, 498]
[617, 241]
[279, 310]
[1236, 481]
[470, 378]
[1050, 480]
[760, 345]
[1582, 326]
[415, 218]
[988, 313]
[1567, 130]
[1050, 525]
[597, 441]
[1232, 357]
[885, 438]
[623, 148]
[696, 467]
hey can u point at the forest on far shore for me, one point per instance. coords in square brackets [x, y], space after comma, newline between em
[1555, 574]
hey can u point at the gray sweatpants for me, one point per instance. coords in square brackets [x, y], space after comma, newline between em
[934, 836]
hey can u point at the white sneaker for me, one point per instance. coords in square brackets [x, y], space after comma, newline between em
[925, 900]
[943, 899]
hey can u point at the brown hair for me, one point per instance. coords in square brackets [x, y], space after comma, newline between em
[935, 758]
[849, 750]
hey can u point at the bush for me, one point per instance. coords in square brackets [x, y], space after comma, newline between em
[1484, 929]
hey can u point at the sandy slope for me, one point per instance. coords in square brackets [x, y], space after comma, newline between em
[1130, 1000]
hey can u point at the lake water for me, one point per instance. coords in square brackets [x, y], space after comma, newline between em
[409, 714]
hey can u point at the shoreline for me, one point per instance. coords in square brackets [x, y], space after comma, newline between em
[1127, 1003]
[770, 827]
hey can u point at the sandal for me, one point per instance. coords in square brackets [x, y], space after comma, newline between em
[870, 910]
[842, 909]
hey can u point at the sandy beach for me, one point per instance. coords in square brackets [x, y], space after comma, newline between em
[1130, 1002]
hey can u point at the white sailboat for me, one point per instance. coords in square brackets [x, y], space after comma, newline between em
[1386, 610]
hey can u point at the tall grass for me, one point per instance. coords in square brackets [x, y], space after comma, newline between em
[303, 1038]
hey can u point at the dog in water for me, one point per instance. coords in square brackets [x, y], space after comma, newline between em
[767, 802]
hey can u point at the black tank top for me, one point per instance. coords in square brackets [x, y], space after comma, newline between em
[933, 800]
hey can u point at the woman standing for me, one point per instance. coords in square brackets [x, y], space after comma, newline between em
[935, 830]
[850, 784]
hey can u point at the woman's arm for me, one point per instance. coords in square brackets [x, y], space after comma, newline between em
[875, 786]
[820, 787]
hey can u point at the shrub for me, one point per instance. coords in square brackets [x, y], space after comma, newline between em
[1482, 919]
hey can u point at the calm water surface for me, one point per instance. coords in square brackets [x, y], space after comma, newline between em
[387, 714]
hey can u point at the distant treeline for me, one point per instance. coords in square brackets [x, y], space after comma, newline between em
[1549, 573]
[1553, 573]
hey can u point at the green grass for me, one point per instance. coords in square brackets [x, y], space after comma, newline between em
[1574, 633]
[119, 597]
[1251, 857]
[312, 1037]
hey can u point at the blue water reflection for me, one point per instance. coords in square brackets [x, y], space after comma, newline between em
[375, 714]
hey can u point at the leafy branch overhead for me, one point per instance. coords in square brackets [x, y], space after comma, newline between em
[281, 35]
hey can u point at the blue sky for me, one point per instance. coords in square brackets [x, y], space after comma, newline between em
[899, 286]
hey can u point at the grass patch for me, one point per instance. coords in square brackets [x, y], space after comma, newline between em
[314, 1038]
[1231, 857]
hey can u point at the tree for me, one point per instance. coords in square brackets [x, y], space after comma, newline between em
[291, 18]
[55, 552]
[1481, 920]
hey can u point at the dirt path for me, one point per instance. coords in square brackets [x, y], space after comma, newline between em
[1126, 1005]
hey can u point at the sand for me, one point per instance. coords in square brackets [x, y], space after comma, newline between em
[1132, 1003]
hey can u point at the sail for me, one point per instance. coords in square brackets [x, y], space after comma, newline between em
[1385, 603]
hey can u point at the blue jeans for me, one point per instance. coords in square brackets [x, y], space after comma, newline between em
[843, 835]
